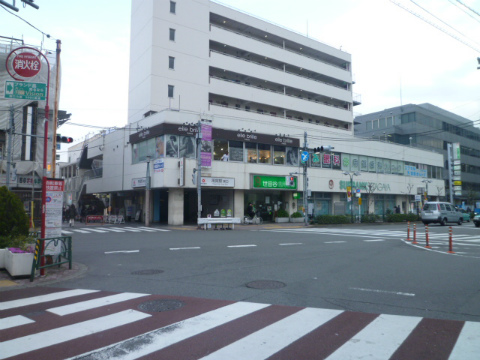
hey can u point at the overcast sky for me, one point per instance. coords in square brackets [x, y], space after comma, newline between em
[396, 57]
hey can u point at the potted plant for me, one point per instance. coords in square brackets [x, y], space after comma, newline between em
[19, 256]
[297, 217]
[282, 216]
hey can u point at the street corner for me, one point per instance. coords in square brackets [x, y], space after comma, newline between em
[52, 275]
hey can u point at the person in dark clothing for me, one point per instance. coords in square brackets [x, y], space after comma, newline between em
[72, 212]
[250, 211]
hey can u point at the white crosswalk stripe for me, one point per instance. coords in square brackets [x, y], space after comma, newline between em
[255, 331]
[90, 230]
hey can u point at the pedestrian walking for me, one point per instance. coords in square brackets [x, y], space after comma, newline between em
[73, 213]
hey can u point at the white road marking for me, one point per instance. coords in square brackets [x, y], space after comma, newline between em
[122, 251]
[43, 298]
[94, 230]
[13, 321]
[145, 344]
[126, 229]
[383, 291]
[66, 333]
[95, 303]
[81, 231]
[67, 232]
[153, 229]
[268, 341]
[379, 340]
[468, 343]
[374, 240]
[241, 246]
[290, 244]
[334, 242]
[186, 248]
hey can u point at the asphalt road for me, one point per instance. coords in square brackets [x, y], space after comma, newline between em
[361, 268]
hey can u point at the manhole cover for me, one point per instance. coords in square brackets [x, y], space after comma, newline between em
[160, 305]
[147, 272]
[266, 284]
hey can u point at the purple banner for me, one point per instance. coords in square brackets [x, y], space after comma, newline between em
[206, 145]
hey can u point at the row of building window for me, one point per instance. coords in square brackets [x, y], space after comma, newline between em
[175, 146]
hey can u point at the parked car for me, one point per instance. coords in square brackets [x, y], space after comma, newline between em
[476, 220]
[465, 214]
[440, 213]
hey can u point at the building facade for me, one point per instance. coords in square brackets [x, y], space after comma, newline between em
[261, 95]
[425, 126]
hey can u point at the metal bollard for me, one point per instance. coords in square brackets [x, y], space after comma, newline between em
[414, 234]
[426, 237]
[450, 241]
[408, 231]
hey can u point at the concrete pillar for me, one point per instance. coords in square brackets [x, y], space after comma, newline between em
[175, 206]
[239, 203]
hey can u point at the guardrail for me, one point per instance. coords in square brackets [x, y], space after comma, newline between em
[62, 244]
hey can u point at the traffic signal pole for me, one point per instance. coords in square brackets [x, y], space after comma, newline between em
[305, 180]
[55, 112]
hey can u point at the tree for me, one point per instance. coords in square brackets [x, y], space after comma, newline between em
[472, 195]
[369, 188]
[409, 192]
[13, 219]
[439, 191]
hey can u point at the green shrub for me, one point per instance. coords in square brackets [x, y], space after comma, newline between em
[370, 218]
[282, 213]
[332, 219]
[296, 214]
[13, 219]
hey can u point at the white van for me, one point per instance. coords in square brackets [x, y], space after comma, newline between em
[441, 213]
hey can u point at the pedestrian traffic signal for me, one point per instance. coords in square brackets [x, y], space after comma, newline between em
[290, 180]
[64, 139]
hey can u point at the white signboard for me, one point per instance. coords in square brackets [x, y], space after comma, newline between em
[218, 182]
[139, 182]
[53, 213]
[158, 165]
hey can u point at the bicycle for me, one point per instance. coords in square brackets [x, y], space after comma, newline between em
[257, 220]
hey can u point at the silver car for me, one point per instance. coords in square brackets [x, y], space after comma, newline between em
[441, 213]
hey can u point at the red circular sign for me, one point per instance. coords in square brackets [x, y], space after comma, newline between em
[26, 64]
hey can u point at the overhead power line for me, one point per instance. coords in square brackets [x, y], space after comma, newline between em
[468, 7]
[436, 26]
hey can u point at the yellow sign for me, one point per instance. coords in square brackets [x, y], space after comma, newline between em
[359, 201]
[457, 183]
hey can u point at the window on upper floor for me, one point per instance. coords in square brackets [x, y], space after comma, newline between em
[171, 62]
[382, 123]
[172, 34]
[173, 7]
[171, 88]
[375, 124]
[369, 125]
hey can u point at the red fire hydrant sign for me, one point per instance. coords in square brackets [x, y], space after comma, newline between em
[26, 64]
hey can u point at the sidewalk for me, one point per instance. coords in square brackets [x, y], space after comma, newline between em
[52, 275]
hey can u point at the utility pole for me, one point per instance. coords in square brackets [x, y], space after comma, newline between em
[305, 179]
[450, 170]
[55, 111]
[9, 150]
[199, 169]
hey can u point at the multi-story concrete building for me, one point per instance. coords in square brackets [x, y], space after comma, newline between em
[263, 94]
[429, 127]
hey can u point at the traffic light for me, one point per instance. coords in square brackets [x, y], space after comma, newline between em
[322, 149]
[64, 139]
[290, 180]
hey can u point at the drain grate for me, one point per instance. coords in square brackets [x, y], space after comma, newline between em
[160, 305]
[147, 272]
[265, 284]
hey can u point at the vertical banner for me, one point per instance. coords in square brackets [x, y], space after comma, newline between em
[206, 145]
[53, 212]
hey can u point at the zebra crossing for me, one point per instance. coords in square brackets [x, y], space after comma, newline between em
[41, 323]
[463, 243]
[110, 229]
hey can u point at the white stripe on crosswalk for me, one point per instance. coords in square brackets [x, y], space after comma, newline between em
[67, 232]
[12, 321]
[95, 303]
[43, 298]
[379, 340]
[152, 341]
[81, 231]
[94, 230]
[113, 230]
[153, 229]
[468, 343]
[127, 229]
[70, 332]
[275, 337]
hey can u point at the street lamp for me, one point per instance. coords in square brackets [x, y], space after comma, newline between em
[426, 187]
[351, 174]
[147, 194]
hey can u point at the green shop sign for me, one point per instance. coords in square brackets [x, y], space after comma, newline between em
[273, 182]
[365, 186]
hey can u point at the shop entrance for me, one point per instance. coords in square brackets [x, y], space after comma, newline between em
[190, 206]
[265, 202]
